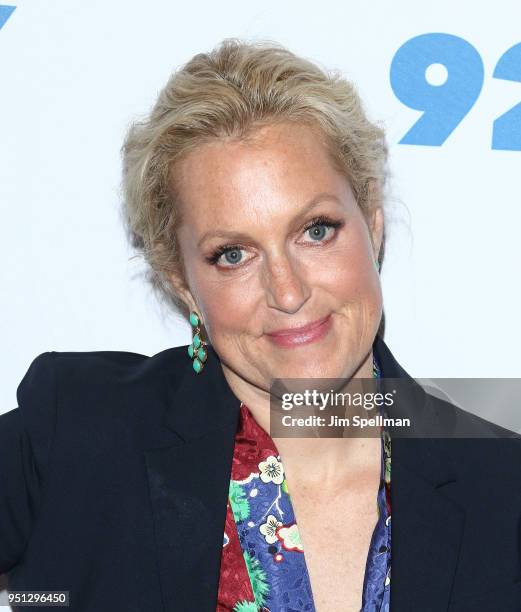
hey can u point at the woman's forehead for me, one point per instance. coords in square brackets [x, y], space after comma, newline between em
[286, 164]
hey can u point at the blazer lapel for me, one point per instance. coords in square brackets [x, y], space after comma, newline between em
[189, 481]
[188, 485]
[426, 526]
[426, 530]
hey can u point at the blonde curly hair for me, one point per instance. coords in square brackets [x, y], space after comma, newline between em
[228, 93]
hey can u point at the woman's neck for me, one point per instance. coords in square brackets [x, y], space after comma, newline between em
[323, 461]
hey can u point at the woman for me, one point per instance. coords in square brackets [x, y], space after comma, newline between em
[255, 191]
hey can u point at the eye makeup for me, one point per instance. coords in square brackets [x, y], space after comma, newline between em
[319, 221]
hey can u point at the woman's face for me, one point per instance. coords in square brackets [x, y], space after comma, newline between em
[257, 201]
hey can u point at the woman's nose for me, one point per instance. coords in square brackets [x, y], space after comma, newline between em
[285, 285]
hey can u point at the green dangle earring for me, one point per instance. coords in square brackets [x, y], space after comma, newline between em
[197, 350]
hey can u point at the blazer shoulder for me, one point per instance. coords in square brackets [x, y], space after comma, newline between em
[83, 368]
[461, 422]
[93, 380]
[477, 445]
[36, 396]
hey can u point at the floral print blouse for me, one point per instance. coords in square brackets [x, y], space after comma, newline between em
[263, 567]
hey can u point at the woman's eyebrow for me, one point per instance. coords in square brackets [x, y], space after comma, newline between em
[231, 235]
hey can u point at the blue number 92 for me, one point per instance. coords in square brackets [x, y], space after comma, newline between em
[444, 106]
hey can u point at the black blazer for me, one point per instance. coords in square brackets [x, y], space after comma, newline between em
[114, 475]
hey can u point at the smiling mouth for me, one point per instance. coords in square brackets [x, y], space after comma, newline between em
[290, 331]
[301, 335]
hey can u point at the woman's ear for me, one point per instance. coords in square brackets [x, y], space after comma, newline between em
[376, 227]
[375, 216]
[183, 291]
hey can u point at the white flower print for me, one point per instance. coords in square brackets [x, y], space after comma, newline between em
[269, 528]
[290, 537]
[271, 470]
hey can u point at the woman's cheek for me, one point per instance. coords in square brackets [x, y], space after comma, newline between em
[347, 274]
[226, 305]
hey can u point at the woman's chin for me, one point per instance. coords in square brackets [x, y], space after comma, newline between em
[308, 364]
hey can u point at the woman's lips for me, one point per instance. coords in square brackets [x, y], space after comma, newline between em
[303, 335]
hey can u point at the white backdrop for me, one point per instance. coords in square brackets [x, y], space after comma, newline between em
[75, 73]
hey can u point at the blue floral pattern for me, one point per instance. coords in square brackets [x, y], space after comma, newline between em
[263, 565]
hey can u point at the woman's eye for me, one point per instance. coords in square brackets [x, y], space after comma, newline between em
[319, 229]
[322, 228]
[226, 256]
[318, 232]
[232, 256]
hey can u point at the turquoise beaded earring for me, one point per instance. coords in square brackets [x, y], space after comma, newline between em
[377, 265]
[197, 350]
